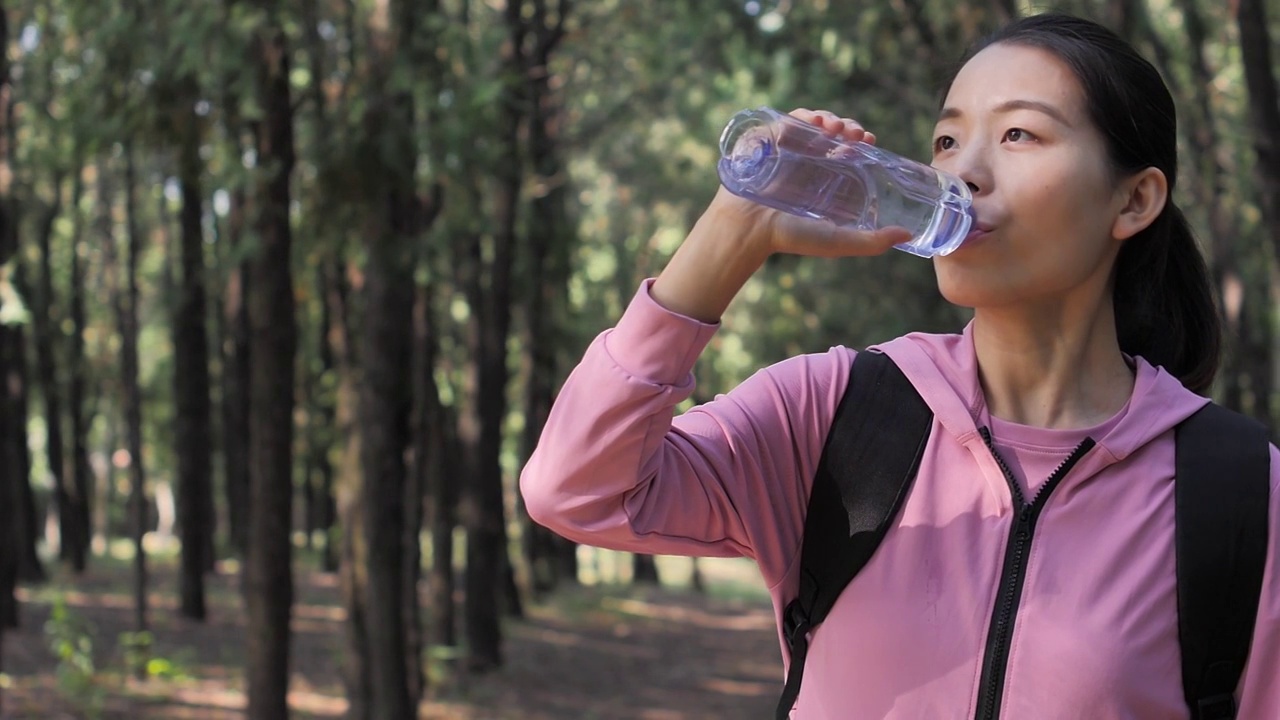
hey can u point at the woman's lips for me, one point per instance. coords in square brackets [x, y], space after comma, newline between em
[978, 232]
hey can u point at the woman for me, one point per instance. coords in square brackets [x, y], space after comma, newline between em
[1093, 330]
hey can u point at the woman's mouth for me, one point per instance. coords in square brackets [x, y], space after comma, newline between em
[977, 232]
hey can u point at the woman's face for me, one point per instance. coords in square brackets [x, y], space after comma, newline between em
[1015, 128]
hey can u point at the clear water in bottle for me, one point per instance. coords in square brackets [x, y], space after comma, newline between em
[793, 166]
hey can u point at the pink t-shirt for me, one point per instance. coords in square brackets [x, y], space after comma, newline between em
[1033, 454]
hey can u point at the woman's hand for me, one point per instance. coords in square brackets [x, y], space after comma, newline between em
[735, 236]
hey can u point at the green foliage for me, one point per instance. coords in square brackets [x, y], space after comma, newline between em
[13, 310]
[443, 666]
[135, 648]
[642, 90]
[646, 109]
[70, 638]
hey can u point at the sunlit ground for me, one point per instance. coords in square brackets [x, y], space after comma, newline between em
[579, 656]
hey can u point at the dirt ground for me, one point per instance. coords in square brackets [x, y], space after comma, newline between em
[601, 652]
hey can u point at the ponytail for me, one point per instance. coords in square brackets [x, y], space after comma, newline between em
[1164, 303]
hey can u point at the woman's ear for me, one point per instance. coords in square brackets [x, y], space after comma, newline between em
[1144, 195]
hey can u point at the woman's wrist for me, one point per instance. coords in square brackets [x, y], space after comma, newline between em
[726, 246]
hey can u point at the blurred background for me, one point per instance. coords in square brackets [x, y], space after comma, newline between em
[287, 288]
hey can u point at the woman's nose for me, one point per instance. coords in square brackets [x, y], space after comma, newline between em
[972, 169]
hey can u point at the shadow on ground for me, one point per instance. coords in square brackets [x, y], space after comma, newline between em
[608, 653]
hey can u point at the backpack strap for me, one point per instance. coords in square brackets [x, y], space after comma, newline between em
[872, 453]
[1221, 501]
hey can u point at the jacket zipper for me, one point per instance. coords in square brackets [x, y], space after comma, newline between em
[1017, 552]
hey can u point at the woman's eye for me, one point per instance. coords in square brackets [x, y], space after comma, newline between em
[944, 142]
[1017, 135]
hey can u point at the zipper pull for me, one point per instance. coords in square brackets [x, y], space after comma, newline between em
[1024, 523]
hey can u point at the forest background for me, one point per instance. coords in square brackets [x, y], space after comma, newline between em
[287, 288]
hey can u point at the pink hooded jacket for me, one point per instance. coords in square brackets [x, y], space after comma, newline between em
[1095, 632]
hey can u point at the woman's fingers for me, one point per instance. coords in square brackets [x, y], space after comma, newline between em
[792, 234]
[846, 128]
[804, 236]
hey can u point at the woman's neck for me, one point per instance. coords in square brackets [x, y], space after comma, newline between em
[1051, 369]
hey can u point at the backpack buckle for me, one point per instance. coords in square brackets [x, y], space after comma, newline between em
[1217, 707]
[795, 622]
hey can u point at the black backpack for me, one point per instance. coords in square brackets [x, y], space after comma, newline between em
[1221, 498]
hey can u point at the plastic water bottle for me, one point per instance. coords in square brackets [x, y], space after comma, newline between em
[785, 163]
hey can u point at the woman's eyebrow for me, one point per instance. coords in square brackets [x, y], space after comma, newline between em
[950, 113]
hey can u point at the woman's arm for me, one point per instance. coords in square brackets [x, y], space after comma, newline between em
[730, 477]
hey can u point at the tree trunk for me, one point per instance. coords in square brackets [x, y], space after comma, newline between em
[104, 236]
[273, 337]
[384, 369]
[326, 408]
[481, 508]
[384, 415]
[80, 471]
[549, 246]
[482, 501]
[9, 539]
[235, 382]
[46, 322]
[443, 490]
[1210, 182]
[410, 602]
[1264, 109]
[313, 447]
[353, 560]
[428, 449]
[392, 608]
[644, 570]
[29, 567]
[45, 325]
[13, 430]
[233, 337]
[436, 450]
[193, 410]
[126, 303]
[323, 408]
[350, 498]
[1264, 113]
[306, 389]
[1255, 347]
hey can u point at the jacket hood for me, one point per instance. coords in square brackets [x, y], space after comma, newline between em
[944, 370]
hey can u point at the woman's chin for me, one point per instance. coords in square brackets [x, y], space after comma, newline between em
[954, 281]
[968, 290]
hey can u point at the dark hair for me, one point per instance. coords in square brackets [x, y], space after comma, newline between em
[1163, 294]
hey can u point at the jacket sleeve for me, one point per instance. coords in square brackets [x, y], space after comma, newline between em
[1260, 686]
[614, 469]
